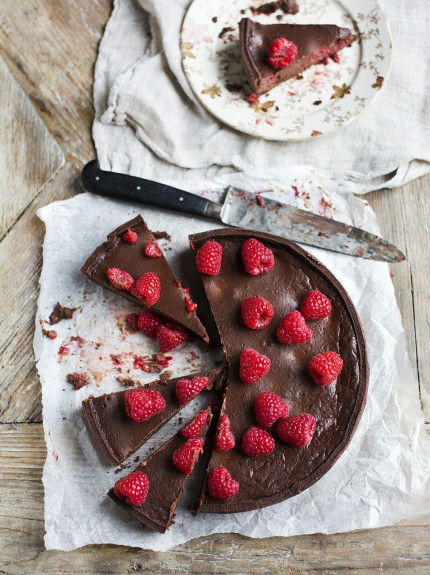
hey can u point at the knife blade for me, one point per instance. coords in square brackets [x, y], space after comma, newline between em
[241, 209]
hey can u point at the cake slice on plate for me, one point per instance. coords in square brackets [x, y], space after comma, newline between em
[121, 422]
[153, 490]
[131, 264]
[273, 53]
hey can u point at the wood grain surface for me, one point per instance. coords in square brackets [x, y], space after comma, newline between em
[47, 54]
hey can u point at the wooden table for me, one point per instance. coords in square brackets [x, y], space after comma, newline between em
[48, 50]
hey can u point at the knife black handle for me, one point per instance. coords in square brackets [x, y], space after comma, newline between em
[124, 187]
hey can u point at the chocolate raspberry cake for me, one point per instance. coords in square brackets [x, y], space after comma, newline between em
[166, 472]
[311, 363]
[131, 250]
[117, 434]
[312, 44]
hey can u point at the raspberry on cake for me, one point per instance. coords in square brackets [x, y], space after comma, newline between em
[257, 312]
[224, 438]
[221, 484]
[141, 404]
[253, 365]
[185, 457]
[257, 258]
[281, 53]
[315, 305]
[209, 258]
[147, 288]
[130, 237]
[152, 250]
[119, 279]
[195, 426]
[188, 389]
[257, 441]
[269, 407]
[297, 430]
[133, 488]
[170, 335]
[293, 329]
[325, 367]
[148, 323]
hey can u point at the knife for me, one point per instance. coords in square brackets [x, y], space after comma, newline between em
[245, 210]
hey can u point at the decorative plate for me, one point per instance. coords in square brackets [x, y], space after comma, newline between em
[319, 101]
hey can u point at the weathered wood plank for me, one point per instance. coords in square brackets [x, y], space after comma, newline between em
[51, 48]
[404, 216]
[395, 550]
[19, 290]
[29, 155]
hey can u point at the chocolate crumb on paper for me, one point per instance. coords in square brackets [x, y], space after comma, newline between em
[78, 380]
[59, 313]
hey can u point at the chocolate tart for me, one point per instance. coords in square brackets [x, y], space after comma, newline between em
[116, 434]
[116, 253]
[314, 41]
[166, 485]
[337, 407]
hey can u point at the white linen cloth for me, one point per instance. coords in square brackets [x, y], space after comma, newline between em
[145, 106]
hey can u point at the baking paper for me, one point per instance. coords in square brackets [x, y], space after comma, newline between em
[382, 477]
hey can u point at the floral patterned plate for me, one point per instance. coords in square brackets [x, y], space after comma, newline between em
[321, 100]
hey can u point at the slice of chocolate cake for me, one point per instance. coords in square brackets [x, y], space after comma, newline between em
[313, 43]
[132, 249]
[296, 349]
[161, 479]
[117, 434]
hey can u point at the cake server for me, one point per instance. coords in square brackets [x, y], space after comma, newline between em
[243, 210]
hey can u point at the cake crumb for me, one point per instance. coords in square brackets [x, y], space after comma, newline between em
[161, 236]
[78, 380]
[59, 313]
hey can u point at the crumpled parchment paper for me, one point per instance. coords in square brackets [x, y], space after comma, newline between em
[382, 477]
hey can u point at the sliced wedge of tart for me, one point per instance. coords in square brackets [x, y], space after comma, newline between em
[132, 249]
[312, 44]
[161, 479]
[118, 435]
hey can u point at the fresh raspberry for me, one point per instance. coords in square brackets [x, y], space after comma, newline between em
[133, 488]
[221, 484]
[315, 305]
[297, 430]
[257, 441]
[281, 53]
[269, 407]
[186, 456]
[119, 279]
[256, 312]
[325, 367]
[208, 258]
[147, 288]
[253, 365]
[152, 250]
[188, 389]
[130, 237]
[148, 323]
[257, 258]
[196, 425]
[170, 336]
[132, 320]
[224, 438]
[293, 329]
[141, 404]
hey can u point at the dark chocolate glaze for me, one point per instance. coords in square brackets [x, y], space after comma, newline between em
[116, 434]
[166, 485]
[115, 253]
[337, 408]
[314, 41]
